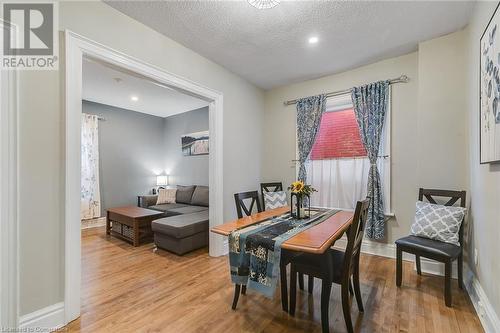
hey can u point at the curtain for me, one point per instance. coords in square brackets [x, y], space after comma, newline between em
[90, 194]
[370, 107]
[309, 112]
[342, 182]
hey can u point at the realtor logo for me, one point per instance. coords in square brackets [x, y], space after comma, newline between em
[30, 39]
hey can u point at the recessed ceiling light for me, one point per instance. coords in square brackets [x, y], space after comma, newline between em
[313, 40]
[134, 98]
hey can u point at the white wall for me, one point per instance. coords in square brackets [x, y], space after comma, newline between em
[484, 180]
[41, 138]
[428, 123]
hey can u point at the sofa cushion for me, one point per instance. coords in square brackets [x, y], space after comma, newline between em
[186, 210]
[166, 207]
[184, 194]
[200, 196]
[181, 226]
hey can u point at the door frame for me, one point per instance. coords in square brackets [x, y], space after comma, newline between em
[9, 241]
[76, 48]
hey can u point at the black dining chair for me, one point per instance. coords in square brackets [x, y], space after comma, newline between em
[286, 256]
[335, 266]
[433, 249]
[269, 187]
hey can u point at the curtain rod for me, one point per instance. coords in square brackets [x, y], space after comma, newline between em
[401, 79]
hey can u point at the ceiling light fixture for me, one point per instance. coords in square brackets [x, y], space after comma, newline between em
[313, 40]
[134, 98]
[264, 4]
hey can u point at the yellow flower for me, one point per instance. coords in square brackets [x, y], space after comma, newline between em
[297, 186]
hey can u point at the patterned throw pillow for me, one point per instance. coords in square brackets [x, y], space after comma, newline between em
[166, 196]
[438, 222]
[275, 199]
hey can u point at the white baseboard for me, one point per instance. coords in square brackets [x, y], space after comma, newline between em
[484, 309]
[47, 319]
[389, 251]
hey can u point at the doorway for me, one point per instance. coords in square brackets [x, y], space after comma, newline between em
[78, 48]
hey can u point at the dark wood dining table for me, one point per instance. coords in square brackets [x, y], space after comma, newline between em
[316, 239]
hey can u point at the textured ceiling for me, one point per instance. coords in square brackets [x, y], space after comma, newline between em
[270, 48]
[108, 85]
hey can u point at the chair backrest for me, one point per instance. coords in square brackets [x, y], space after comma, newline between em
[240, 204]
[452, 196]
[269, 187]
[355, 237]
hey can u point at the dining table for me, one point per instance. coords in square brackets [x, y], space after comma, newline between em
[315, 240]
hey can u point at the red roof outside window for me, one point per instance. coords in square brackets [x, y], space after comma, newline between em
[338, 137]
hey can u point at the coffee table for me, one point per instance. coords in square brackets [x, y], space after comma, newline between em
[131, 223]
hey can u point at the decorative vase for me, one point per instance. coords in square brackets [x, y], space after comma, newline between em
[300, 207]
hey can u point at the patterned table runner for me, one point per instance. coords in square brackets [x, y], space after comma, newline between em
[257, 265]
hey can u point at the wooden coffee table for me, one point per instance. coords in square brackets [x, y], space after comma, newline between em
[131, 223]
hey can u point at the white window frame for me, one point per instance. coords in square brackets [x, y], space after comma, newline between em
[344, 101]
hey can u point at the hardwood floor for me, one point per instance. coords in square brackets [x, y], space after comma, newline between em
[127, 289]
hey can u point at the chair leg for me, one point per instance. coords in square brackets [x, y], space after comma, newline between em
[326, 287]
[351, 289]
[236, 296]
[284, 291]
[293, 289]
[417, 261]
[310, 284]
[346, 307]
[301, 281]
[399, 266]
[461, 271]
[357, 289]
[447, 283]
[243, 289]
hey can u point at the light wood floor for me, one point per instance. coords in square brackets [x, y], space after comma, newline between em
[127, 289]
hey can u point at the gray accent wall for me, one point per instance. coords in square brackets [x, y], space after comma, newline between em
[131, 152]
[134, 147]
[185, 170]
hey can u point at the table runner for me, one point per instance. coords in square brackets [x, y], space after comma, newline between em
[257, 265]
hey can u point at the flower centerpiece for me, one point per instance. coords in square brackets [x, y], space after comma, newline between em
[300, 199]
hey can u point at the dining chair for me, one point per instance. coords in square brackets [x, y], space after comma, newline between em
[335, 266]
[433, 249]
[269, 187]
[286, 256]
[241, 207]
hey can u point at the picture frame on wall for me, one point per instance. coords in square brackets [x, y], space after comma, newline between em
[195, 143]
[489, 91]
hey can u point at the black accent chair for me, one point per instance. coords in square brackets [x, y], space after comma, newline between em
[269, 187]
[335, 266]
[434, 249]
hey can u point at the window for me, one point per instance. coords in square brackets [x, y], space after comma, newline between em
[338, 165]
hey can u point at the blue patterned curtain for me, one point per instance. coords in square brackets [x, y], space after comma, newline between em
[370, 106]
[309, 112]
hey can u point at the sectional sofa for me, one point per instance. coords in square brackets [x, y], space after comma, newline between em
[184, 226]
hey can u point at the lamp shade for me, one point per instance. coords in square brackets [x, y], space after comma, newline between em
[161, 180]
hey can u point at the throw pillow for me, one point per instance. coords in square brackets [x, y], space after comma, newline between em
[200, 196]
[438, 222]
[184, 194]
[166, 196]
[275, 199]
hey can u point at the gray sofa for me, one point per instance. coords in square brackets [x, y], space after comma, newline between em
[184, 227]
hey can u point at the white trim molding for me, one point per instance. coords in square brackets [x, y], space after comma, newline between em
[9, 274]
[484, 309]
[76, 48]
[47, 319]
